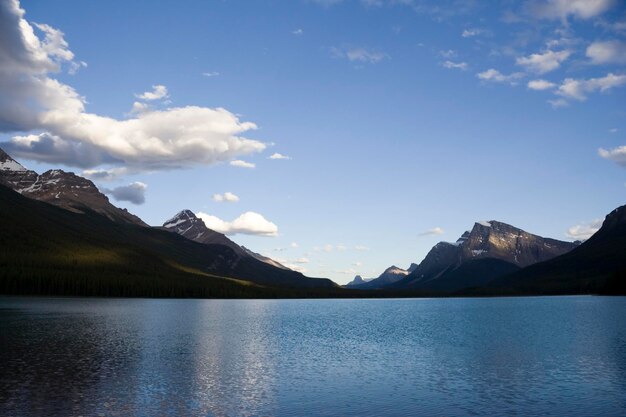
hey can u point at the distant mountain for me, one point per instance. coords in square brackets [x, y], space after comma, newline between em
[391, 275]
[598, 265]
[50, 250]
[187, 224]
[358, 280]
[490, 250]
[64, 189]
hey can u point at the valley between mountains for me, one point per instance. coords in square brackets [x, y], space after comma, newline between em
[61, 236]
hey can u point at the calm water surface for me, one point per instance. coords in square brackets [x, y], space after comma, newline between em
[561, 356]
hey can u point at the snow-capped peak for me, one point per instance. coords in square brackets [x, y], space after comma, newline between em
[180, 217]
[11, 165]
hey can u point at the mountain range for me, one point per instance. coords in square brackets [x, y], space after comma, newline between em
[389, 276]
[59, 224]
[61, 235]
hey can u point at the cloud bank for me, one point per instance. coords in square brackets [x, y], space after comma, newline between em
[63, 131]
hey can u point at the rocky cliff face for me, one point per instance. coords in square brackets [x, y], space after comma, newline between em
[499, 240]
[63, 189]
[492, 240]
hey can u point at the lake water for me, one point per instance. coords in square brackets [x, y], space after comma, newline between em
[561, 356]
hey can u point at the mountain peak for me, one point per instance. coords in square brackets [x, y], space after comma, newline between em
[9, 164]
[358, 280]
[395, 270]
[180, 218]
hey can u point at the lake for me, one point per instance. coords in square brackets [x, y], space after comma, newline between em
[141, 357]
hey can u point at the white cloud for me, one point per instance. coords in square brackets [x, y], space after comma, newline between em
[561, 9]
[158, 92]
[471, 32]
[211, 74]
[558, 103]
[328, 247]
[76, 66]
[447, 53]
[133, 193]
[54, 43]
[544, 62]
[242, 164]
[458, 65]
[293, 245]
[613, 130]
[359, 54]
[105, 174]
[494, 75]
[584, 231]
[341, 248]
[32, 101]
[227, 197]
[297, 32]
[249, 223]
[540, 85]
[302, 260]
[139, 107]
[361, 248]
[617, 155]
[609, 52]
[277, 155]
[432, 232]
[579, 89]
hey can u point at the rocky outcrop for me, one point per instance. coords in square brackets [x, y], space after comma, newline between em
[471, 260]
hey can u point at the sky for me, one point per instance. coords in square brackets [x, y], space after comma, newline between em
[337, 137]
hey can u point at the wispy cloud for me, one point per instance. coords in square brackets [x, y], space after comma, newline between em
[579, 89]
[585, 230]
[562, 9]
[242, 164]
[543, 62]
[435, 231]
[277, 155]
[158, 92]
[617, 155]
[471, 32]
[493, 75]
[359, 54]
[540, 85]
[456, 65]
[227, 197]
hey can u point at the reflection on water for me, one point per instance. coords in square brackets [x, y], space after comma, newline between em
[506, 356]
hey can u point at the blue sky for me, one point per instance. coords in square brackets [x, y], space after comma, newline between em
[402, 122]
